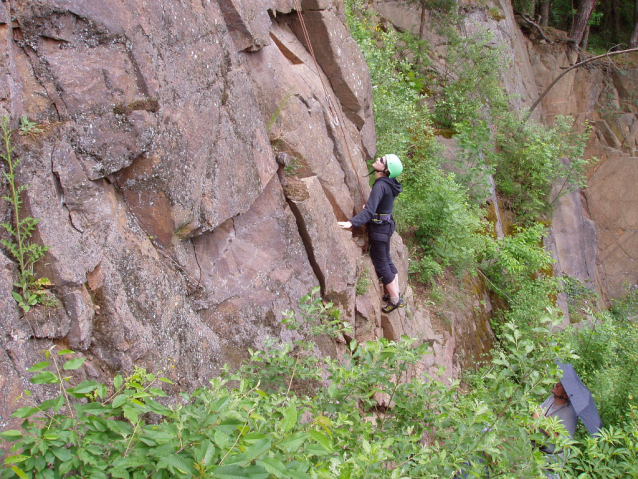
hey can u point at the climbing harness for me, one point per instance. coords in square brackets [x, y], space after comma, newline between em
[381, 217]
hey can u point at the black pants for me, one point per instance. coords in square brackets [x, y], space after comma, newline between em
[379, 235]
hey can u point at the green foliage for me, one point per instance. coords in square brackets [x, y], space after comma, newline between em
[476, 158]
[447, 226]
[96, 431]
[447, 6]
[237, 428]
[523, 6]
[581, 298]
[425, 268]
[398, 110]
[614, 455]
[519, 271]
[611, 23]
[20, 245]
[608, 364]
[28, 127]
[532, 157]
[362, 283]
[471, 87]
[373, 417]
[627, 306]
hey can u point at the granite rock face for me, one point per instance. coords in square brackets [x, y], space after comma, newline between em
[594, 231]
[173, 240]
[175, 236]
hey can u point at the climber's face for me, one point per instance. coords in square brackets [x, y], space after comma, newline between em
[379, 164]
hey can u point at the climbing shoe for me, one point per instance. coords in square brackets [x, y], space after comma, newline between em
[392, 306]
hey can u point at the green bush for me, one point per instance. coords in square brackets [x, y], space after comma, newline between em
[373, 417]
[520, 272]
[424, 269]
[471, 84]
[446, 225]
[612, 455]
[398, 110]
[627, 306]
[476, 158]
[608, 364]
[532, 158]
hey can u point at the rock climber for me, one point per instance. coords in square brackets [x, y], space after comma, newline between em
[377, 214]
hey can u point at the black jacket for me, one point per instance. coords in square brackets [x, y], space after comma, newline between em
[381, 200]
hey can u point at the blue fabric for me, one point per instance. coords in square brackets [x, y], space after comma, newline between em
[580, 398]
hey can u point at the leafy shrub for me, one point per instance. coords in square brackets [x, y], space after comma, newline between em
[425, 269]
[581, 298]
[373, 417]
[447, 226]
[396, 89]
[476, 159]
[612, 455]
[608, 364]
[213, 433]
[627, 306]
[519, 271]
[472, 87]
[532, 158]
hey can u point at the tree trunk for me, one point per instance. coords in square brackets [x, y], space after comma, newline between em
[422, 25]
[545, 12]
[633, 41]
[583, 42]
[585, 9]
[419, 59]
[617, 37]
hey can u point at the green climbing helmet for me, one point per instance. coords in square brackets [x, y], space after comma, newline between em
[393, 165]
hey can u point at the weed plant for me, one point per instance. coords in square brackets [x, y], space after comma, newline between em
[363, 283]
[25, 252]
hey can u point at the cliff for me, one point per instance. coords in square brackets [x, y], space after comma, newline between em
[189, 166]
[176, 238]
[592, 235]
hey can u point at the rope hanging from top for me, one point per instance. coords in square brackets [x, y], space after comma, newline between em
[337, 120]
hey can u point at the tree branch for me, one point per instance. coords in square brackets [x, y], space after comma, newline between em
[540, 30]
[570, 68]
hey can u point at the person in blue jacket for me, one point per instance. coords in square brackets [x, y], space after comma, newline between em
[377, 214]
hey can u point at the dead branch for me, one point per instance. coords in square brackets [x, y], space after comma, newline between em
[540, 29]
[570, 68]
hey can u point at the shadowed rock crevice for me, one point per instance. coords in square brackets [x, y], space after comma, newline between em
[289, 54]
[142, 86]
[296, 191]
[388, 329]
